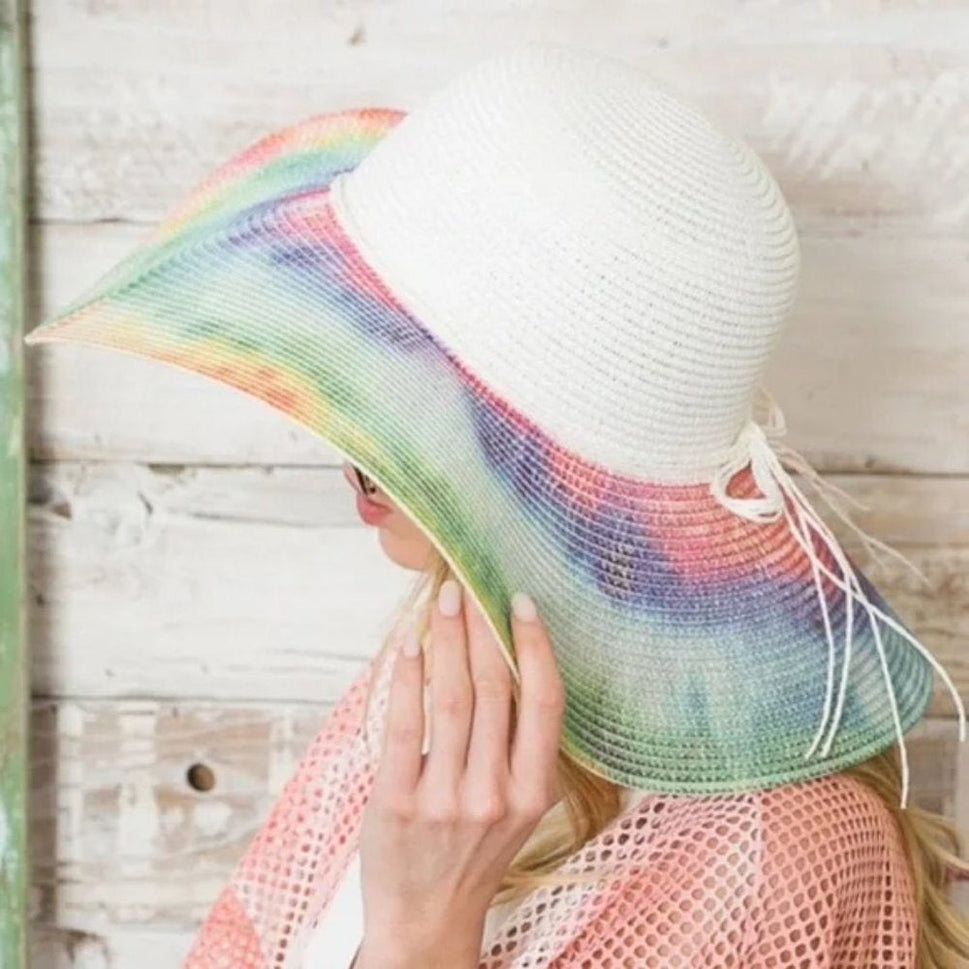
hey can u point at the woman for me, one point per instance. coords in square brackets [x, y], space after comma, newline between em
[444, 829]
[917, 850]
[536, 312]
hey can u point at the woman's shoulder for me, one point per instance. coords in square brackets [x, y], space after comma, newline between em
[834, 872]
[833, 828]
[831, 813]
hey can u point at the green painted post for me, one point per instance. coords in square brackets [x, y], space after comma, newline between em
[14, 694]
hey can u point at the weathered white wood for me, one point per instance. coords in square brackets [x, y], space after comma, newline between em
[114, 948]
[254, 582]
[124, 844]
[118, 827]
[872, 373]
[251, 582]
[860, 108]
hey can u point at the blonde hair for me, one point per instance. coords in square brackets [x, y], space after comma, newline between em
[590, 802]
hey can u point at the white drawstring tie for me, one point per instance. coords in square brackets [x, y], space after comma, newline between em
[758, 446]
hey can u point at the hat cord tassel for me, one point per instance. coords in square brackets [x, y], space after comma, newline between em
[753, 446]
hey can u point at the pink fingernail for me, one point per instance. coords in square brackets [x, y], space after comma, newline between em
[449, 598]
[523, 607]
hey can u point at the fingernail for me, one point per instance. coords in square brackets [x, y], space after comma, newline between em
[523, 607]
[449, 598]
[412, 645]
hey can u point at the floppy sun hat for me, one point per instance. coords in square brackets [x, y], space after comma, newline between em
[536, 310]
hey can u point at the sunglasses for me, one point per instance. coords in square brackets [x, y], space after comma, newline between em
[367, 484]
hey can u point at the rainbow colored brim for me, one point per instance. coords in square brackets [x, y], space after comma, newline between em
[690, 641]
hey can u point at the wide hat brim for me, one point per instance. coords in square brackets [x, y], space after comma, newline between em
[689, 639]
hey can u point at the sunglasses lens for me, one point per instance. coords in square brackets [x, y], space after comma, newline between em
[366, 485]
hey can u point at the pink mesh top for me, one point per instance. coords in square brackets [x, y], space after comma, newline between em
[809, 874]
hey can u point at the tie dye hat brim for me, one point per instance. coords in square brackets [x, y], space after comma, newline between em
[701, 650]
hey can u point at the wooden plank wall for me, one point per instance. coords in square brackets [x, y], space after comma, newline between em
[201, 589]
[14, 691]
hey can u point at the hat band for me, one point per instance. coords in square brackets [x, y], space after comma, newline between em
[753, 446]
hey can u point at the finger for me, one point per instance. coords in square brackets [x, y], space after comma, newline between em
[541, 707]
[451, 697]
[488, 754]
[401, 760]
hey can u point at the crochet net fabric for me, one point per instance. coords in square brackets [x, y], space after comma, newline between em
[809, 874]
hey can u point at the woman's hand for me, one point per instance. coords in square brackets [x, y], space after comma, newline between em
[440, 830]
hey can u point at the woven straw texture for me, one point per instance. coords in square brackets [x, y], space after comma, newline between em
[809, 875]
[545, 374]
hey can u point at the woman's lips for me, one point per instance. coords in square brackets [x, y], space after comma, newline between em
[371, 511]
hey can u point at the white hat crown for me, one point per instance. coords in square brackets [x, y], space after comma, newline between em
[592, 247]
